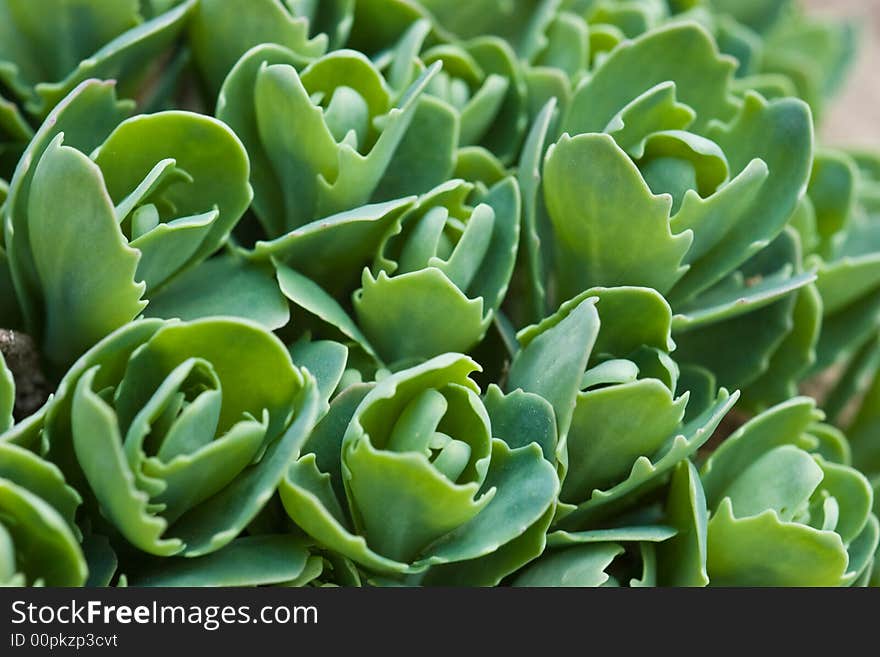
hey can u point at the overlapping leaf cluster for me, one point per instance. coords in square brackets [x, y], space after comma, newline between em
[398, 292]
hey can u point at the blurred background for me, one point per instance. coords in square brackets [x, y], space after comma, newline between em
[854, 116]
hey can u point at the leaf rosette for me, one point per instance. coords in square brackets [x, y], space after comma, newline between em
[665, 178]
[784, 510]
[481, 79]
[405, 476]
[441, 273]
[154, 194]
[178, 433]
[345, 148]
[603, 363]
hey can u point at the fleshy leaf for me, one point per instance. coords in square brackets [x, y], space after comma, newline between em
[802, 556]
[221, 31]
[589, 185]
[85, 117]
[700, 74]
[326, 361]
[71, 216]
[520, 418]
[122, 58]
[333, 251]
[249, 291]
[247, 561]
[202, 146]
[552, 363]
[399, 315]
[580, 566]
[647, 472]
[7, 396]
[526, 486]
[603, 443]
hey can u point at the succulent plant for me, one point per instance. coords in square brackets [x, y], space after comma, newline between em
[432, 293]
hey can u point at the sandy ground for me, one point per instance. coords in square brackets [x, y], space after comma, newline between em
[854, 117]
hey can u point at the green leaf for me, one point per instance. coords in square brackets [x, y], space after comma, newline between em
[640, 534]
[526, 487]
[7, 396]
[418, 315]
[553, 358]
[101, 560]
[589, 185]
[845, 332]
[862, 550]
[853, 383]
[326, 361]
[794, 356]
[802, 556]
[504, 135]
[862, 431]
[751, 341]
[306, 294]
[493, 274]
[42, 478]
[325, 441]
[85, 117]
[734, 297]
[757, 488]
[831, 443]
[46, 43]
[168, 246]
[431, 507]
[521, 418]
[211, 525]
[531, 258]
[317, 175]
[476, 164]
[853, 492]
[655, 110]
[781, 425]
[333, 251]
[309, 500]
[832, 191]
[604, 443]
[701, 76]
[682, 559]
[202, 146]
[425, 156]
[247, 561]
[70, 217]
[123, 58]
[568, 45]
[491, 569]
[632, 318]
[648, 472]
[249, 291]
[580, 566]
[844, 282]
[54, 420]
[780, 134]
[98, 447]
[235, 107]
[221, 31]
